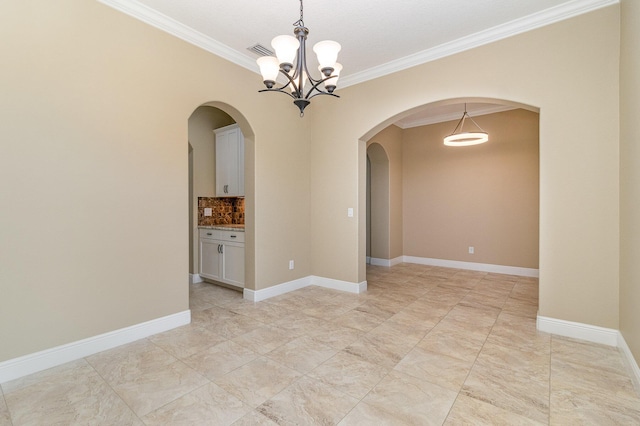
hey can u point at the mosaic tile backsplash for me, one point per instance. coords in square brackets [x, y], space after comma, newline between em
[225, 211]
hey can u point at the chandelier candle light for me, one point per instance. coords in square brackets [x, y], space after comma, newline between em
[466, 138]
[292, 49]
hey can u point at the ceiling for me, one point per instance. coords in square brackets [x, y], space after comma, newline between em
[378, 37]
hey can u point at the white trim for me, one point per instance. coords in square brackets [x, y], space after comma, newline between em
[195, 278]
[386, 262]
[577, 330]
[368, 260]
[276, 290]
[280, 289]
[499, 32]
[483, 267]
[339, 285]
[38, 361]
[379, 262]
[450, 116]
[169, 25]
[632, 365]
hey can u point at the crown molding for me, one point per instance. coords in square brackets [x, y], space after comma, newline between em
[441, 118]
[177, 29]
[499, 32]
[517, 26]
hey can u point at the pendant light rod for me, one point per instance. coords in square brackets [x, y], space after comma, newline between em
[289, 48]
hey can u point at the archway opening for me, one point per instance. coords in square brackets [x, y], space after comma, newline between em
[473, 207]
[203, 121]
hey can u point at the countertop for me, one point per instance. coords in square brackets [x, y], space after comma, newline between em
[239, 228]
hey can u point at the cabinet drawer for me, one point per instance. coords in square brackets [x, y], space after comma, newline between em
[220, 235]
[232, 236]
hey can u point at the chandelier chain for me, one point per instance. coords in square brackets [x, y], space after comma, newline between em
[300, 22]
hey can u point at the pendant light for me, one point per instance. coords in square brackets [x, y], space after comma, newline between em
[466, 138]
[291, 61]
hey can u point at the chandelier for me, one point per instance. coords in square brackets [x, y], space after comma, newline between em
[466, 138]
[292, 49]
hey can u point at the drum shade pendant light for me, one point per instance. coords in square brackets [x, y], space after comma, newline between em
[292, 50]
[466, 138]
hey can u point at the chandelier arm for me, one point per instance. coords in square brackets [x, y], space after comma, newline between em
[458, 125]
[279, 90]
[323, 93]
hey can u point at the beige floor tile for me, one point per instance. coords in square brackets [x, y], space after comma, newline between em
[264, 339]
[70, 394]
[187, 340]
[436, 368]
[593, 408]
[509, 390]
[308, 402]
[461, 344]
[5, 419]
[602, 357]
[255, 418]
[236, 326]
[359, 320]
[382, 346]
[402, 400]
[152, 389]
[470, 411]
[513, 330]
[127, 362]
[257, 381]
[336, 336]
[209, 403]
[220, 359]
[302, 354]
[350, 374]
[415, 325]
[526, 360]
[299, 324]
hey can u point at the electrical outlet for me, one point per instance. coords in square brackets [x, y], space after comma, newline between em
[291, 264]
[471, 250]
[350, 212]
[207, 211]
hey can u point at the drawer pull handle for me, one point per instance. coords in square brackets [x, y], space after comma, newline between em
[209, 233]
[233, 236]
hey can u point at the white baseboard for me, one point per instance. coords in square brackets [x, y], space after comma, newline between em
[368, 260]
[576, 330]
[195, 278]
[276, 290]
[38, 361]
[339, 285]
[632, 365]
[386, 262]
[279, 289]
[482, 267]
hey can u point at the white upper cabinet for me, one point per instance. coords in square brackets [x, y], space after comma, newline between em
[229, 161]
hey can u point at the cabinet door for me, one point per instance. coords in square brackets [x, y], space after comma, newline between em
[223, 166]
[229, 162]
[233, 264]
[210, 259]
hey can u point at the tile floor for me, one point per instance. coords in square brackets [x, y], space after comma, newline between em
[423, 346]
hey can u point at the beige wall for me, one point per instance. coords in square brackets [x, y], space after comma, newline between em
[95, 109]
[630, 176]
[568, 71]
[484, 196]
[94, 172]
[203, 170]
[388, 222]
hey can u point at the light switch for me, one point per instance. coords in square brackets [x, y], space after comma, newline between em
[350, 212]
[207, 211]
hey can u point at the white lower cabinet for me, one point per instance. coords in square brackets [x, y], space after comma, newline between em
[222, 256]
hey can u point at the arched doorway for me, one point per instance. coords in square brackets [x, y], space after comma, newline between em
[377, 205]
[202, 122]
[482, 213]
